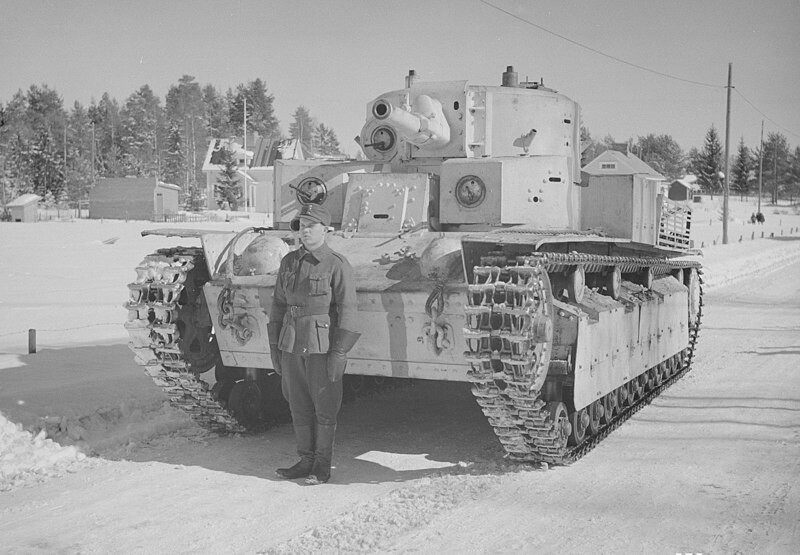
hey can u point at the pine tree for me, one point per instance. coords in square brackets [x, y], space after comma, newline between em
[260, 114]
[328, 144]
[710, 162]
[741, 176]
[174, 168]
[794, 174]
[47, 167]
[777, 177]
[227, 185]
[303, 130]
[216, 113]
[139, 129]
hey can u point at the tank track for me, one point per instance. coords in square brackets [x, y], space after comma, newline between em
[508, 347]
[162, 308]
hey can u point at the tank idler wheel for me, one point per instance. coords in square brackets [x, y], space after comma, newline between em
[613, 282]
[610, 407]
[562, 428]
[579, 420]
[246, 404]
[576, 284]
[596, 412]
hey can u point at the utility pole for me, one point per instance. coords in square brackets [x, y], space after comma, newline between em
[246, 185]
[727, 158]
[760, 165]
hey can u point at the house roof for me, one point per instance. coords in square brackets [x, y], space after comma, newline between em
[691, 185]
[22, 200]
[613, 162]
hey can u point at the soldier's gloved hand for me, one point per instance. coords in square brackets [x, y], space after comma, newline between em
[275, 353]
[337, 362]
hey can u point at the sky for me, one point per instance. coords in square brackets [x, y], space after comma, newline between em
[334, 56]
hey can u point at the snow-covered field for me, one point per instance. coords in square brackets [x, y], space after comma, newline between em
[80, 406]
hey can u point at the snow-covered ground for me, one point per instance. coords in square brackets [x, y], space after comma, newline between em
[81, 406]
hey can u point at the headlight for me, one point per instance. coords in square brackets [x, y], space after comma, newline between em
[470, 191]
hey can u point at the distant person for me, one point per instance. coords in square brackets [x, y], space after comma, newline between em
[753, 218]
[310, 333]
[760, 217]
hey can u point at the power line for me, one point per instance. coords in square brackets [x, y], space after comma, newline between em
[637, 66]
[766, 117]
[620, 60]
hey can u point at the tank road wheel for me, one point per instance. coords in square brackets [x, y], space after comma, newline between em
[627, 393]
[579, 420]
[596, 412]
[246, 404]
[651, 379]
[610, 406]
[637, 387]
[562, 429]
[576, 284]
[613, 282]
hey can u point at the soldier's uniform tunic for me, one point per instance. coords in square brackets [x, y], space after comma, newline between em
[315, 294]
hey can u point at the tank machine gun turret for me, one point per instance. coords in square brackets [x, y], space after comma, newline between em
[482, 255]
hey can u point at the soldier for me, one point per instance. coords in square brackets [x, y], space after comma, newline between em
[310, 332]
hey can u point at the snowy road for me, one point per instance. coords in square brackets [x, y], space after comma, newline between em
[711, 466]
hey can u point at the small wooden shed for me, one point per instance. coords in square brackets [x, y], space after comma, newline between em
[682, 189]
[132, 198]
[23, 208]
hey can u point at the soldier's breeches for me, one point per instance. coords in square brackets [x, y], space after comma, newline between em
[313, 398]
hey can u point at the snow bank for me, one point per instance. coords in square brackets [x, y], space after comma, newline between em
[25, 457]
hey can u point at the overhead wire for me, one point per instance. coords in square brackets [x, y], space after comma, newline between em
[637, 66]
[601, 53]
[766, 117]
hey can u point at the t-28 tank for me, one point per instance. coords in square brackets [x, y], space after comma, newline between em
[482, 254]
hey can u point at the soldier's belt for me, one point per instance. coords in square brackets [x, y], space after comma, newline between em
[297, 311]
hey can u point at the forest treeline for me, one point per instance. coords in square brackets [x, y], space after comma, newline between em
[58, 153]
[776, 162]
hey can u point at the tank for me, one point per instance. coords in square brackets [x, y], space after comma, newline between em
[483, 254]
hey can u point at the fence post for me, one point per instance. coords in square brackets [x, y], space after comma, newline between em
[31, 341]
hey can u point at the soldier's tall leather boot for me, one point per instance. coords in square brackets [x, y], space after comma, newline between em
[304, 436]
[321, 471]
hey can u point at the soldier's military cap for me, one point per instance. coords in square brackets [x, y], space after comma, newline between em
[315, 212]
